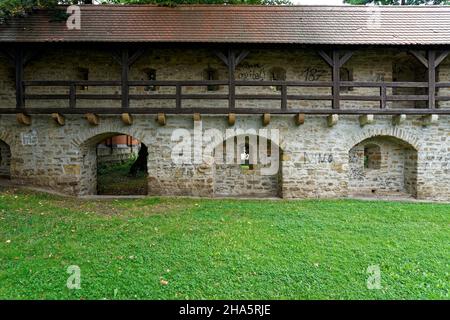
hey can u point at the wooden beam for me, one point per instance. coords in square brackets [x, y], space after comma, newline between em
[336, 79]
[221, 56]
[431, 79]
[299, 119]
[332, 120]
[345, 58]
[19, 65]
[441, 58]
[59, 118]
[127, 118]
[231, 119]
[135, 57]
[124, 79]
[92, 118]
[419, 55]
[241, 56]
[266, 119]
[161, 119]
[326, 57]
[23, 118]
[231, 79]
[197, 116]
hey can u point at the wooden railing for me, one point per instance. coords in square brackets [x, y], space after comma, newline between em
[282, 95]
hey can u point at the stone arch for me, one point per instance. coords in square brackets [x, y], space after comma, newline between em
[395, 174]
[253, 179]
[5, 160]
[400, 134]
[88, 157]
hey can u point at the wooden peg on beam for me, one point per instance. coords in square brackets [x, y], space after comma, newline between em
[161, 119]
[127, 118]
[429, 119]
[366, 119]
[266, 119]
[398, 119]
[299, 119]
[24, 119]
[197, 117]
[332, 120]
[92, 118]
[59, 118]
[231, 119]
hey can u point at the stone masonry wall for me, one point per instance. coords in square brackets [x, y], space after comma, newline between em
[5, 160]
[315, 157]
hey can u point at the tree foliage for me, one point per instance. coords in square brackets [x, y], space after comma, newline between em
[399, 2]
[9, 8]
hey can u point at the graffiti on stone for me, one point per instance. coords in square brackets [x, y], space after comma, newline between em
[29, 138]
[254, 71]
[313, 74]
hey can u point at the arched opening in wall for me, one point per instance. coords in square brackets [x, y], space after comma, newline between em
[247, 166]
[5, 160]
[114, 164]
[383, 165]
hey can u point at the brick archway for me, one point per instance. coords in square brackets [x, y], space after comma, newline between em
[402, 135]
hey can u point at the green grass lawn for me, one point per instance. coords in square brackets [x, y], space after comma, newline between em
[171, 248]
[115, 180]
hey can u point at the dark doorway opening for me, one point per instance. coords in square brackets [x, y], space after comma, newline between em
[121, 166]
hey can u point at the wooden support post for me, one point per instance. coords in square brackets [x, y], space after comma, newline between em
[92, 118]
[231, 79]
[23, 118]
[197, 116]
[231, 119]
[299, 119]
[366, 119]
[336, 79]
[59, 118]
[161, 119]
[266, 119]
[398, 119]
[124, 79]
[127, 118]
[429, 119]
[19, 65]
[431, 79]
[332, 120]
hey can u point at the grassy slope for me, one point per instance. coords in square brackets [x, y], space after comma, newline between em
[221, 248]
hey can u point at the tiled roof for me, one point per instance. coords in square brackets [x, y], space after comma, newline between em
[393, 25]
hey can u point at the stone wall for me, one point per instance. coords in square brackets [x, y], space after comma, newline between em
[116, 154]
[315, 157]
[314, 161]
[5, 160]
[390, 169]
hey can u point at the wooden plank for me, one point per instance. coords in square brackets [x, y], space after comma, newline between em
[23, 118]
[383, 97]
[135, 56]
[283, 97]
[127, 118]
